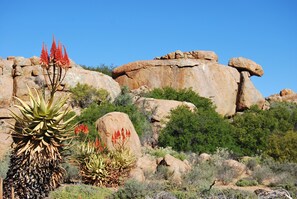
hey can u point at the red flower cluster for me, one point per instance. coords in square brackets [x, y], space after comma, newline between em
[98, 145]
[81, 128]
[120, 137]
[56, 56]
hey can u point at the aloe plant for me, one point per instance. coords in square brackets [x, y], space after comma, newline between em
[40, 136]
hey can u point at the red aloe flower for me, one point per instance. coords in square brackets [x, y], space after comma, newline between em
[128, 133]
[113, 139]
[59, 55]
[44, 57]
[53, 50]
[66, 61]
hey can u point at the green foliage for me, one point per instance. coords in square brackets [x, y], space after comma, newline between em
[196, 131]
[83, 95]
[246, 182]
[124, 99]
[262, 173]
[4, 165]
[91, 114]
[160, 152]
[255, 127]
[105, 69]
[282, 146]
[132, 190]
[186, 94]
[80, 191]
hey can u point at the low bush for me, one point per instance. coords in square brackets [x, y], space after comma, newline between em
[80, 191]
[282, 146]
[198, 131]
[84, 95]
[246, 182]
[105, 69]
[262, 173]
[160, 152]
[132, 189]
[4, 165]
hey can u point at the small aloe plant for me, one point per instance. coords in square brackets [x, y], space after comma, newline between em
[40, 135]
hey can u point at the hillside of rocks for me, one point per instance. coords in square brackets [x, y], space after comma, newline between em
[229, 87]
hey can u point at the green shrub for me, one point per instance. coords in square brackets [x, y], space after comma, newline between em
[83, 95]
[105, 69]
[198, 131]
[132, 190]
[186, 94]
[124, 99]
[4, 165]
[283, 146]
[80, 191]
[246, 182]
[262, 173]
[160, 152]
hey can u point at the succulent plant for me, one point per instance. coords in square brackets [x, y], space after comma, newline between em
[40, 135]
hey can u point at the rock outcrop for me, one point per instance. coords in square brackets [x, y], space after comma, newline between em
[285, 95]
[18, 72]
[114, 121]
[208, 78]
[243, 64]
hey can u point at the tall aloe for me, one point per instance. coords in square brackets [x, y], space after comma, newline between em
[39, 135]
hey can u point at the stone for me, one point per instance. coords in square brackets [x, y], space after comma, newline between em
[244, 64]
[147, 164]
[21, 61]
[6, 85]
[285, 92]
[208, 79]
[248, 95]
[285, 95]
[6, 67]
[237, 167]
[114, 121]
[35, 60]
[137, 174]
[204, 157]
[176, 167]
[198, 54]
[96, 79]
[206, 55]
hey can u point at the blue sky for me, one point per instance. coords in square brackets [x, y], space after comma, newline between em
[118, 32]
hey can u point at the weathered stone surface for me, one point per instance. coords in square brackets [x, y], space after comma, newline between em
[137, 174]
[97, 80]
[21, 61]
[5, 67]
[237, 167]
[208, 79]
[6, 85]
[35, 60]
[203, 157]
[176, 166]
[285, 92]
[147, 164]
[244, 64]
[248, 95]
[115, 121]
[198, 54]
[285, 95]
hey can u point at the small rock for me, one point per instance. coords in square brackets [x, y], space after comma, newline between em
[244, 64]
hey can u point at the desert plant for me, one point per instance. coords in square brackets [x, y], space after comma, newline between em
[102, 68]
[198, 131]
[246, 182]
[40, 134]
[160, 152]
[4, 165]
[83, 95]
[80, 191]
[282, 146]
[101, 167]
[132, 189]
[262, 173]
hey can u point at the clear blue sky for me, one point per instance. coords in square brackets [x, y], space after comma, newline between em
[118, 32]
